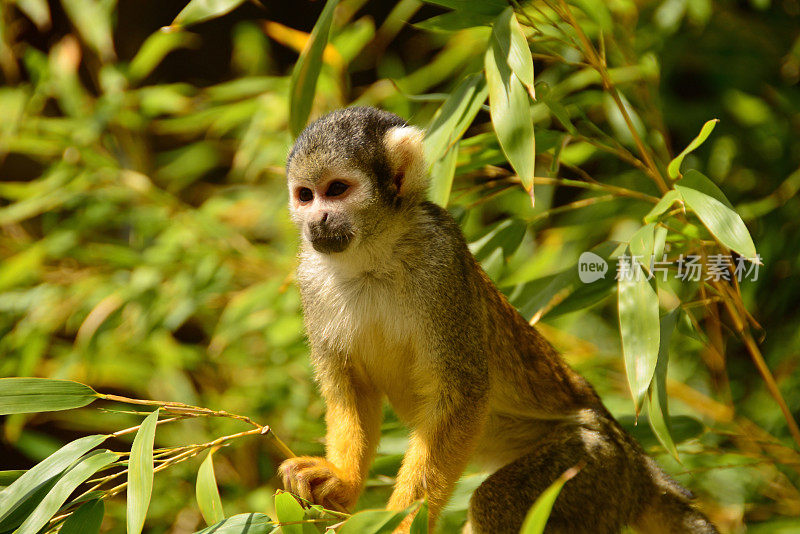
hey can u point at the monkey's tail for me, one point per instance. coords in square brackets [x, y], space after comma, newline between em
[671, 511]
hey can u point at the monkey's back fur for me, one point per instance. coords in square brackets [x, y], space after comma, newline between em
[407, 313]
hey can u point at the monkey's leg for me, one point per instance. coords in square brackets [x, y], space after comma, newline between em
[353, 428]
[605, 495]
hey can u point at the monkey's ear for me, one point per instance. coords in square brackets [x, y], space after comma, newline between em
[407, 159]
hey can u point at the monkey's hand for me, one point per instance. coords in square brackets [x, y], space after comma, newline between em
[319, 481]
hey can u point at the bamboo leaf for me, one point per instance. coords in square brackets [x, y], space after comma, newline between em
[29, 395]
[643, 242]
[86, 519]
[240, 524]
[36, 477]
[700, 182]
[288, 510]
[155, 49]
[509, 107]
[657, 411]
[485, 7]
[373, 522]
[674, 167]
[455, 115]
[665, 203]
[207, 493]
[722, 221]
[441, 175]
[513, 46]
[202, 10]
[77, 475]
[420, 523]
[307, 69]
[140, 473]
[539, 513]
[637, 304]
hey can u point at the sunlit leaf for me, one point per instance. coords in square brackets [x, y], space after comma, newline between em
[207, 493]
[240, 524]
[202, 10]
[74, 477]
[674, 167]
[511, 43]
[86, 519]
[454, 21]
[441, 175]
[722, 221]
[637, 304]
[155, 49]
[642, 243]
[92, 18]
[665, 203]
[36, 10]
[36, 477]
[539, 513]
[453, 118]
[373, 522]
[696, 180]
[307, 69]
[288, 510]
[657, 410]
[29, 395]
[140, 473]
[420, 523]
[510, 107]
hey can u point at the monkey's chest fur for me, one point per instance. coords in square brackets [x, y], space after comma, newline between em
[369, 324]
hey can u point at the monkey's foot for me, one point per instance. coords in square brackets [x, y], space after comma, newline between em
[319, 481]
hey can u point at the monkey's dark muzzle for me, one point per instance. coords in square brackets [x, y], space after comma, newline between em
[327, 240]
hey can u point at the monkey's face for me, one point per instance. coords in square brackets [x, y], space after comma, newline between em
[349, 173]
[329, 210]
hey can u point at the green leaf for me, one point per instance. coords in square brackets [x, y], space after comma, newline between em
[455, 115]
[454, 21]
[36, 10]
[140, 473]
[202, 10]
[207, 493]
[696, 180]
[441, 177]
[240, 524]
[506, 235]
[643, 242]
[373, 522]
[666, 202]
[657, 411]
[77, 475]
[92, 18]
[420, 523]
[29, 395]
[307, 69]
[723, 222]
[509, 106]
[155, 49]
[86, 519]
[36, 477]
[674, 167]
[637, 303]
[539, 513]
[288, 510]
[8, 477]
[485, 7]
[507, 35]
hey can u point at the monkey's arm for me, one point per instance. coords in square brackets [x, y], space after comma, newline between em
[353, 429]
[440, 446]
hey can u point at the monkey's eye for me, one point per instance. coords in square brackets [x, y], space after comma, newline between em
[305, 194]
[336, 189]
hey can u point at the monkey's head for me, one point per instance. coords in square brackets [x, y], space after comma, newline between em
[349, 172]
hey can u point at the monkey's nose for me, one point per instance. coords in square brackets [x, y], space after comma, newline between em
[324, 217]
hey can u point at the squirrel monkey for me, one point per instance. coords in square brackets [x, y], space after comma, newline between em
[397, 307]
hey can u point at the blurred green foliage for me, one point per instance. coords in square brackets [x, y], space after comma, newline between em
[146, 247]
